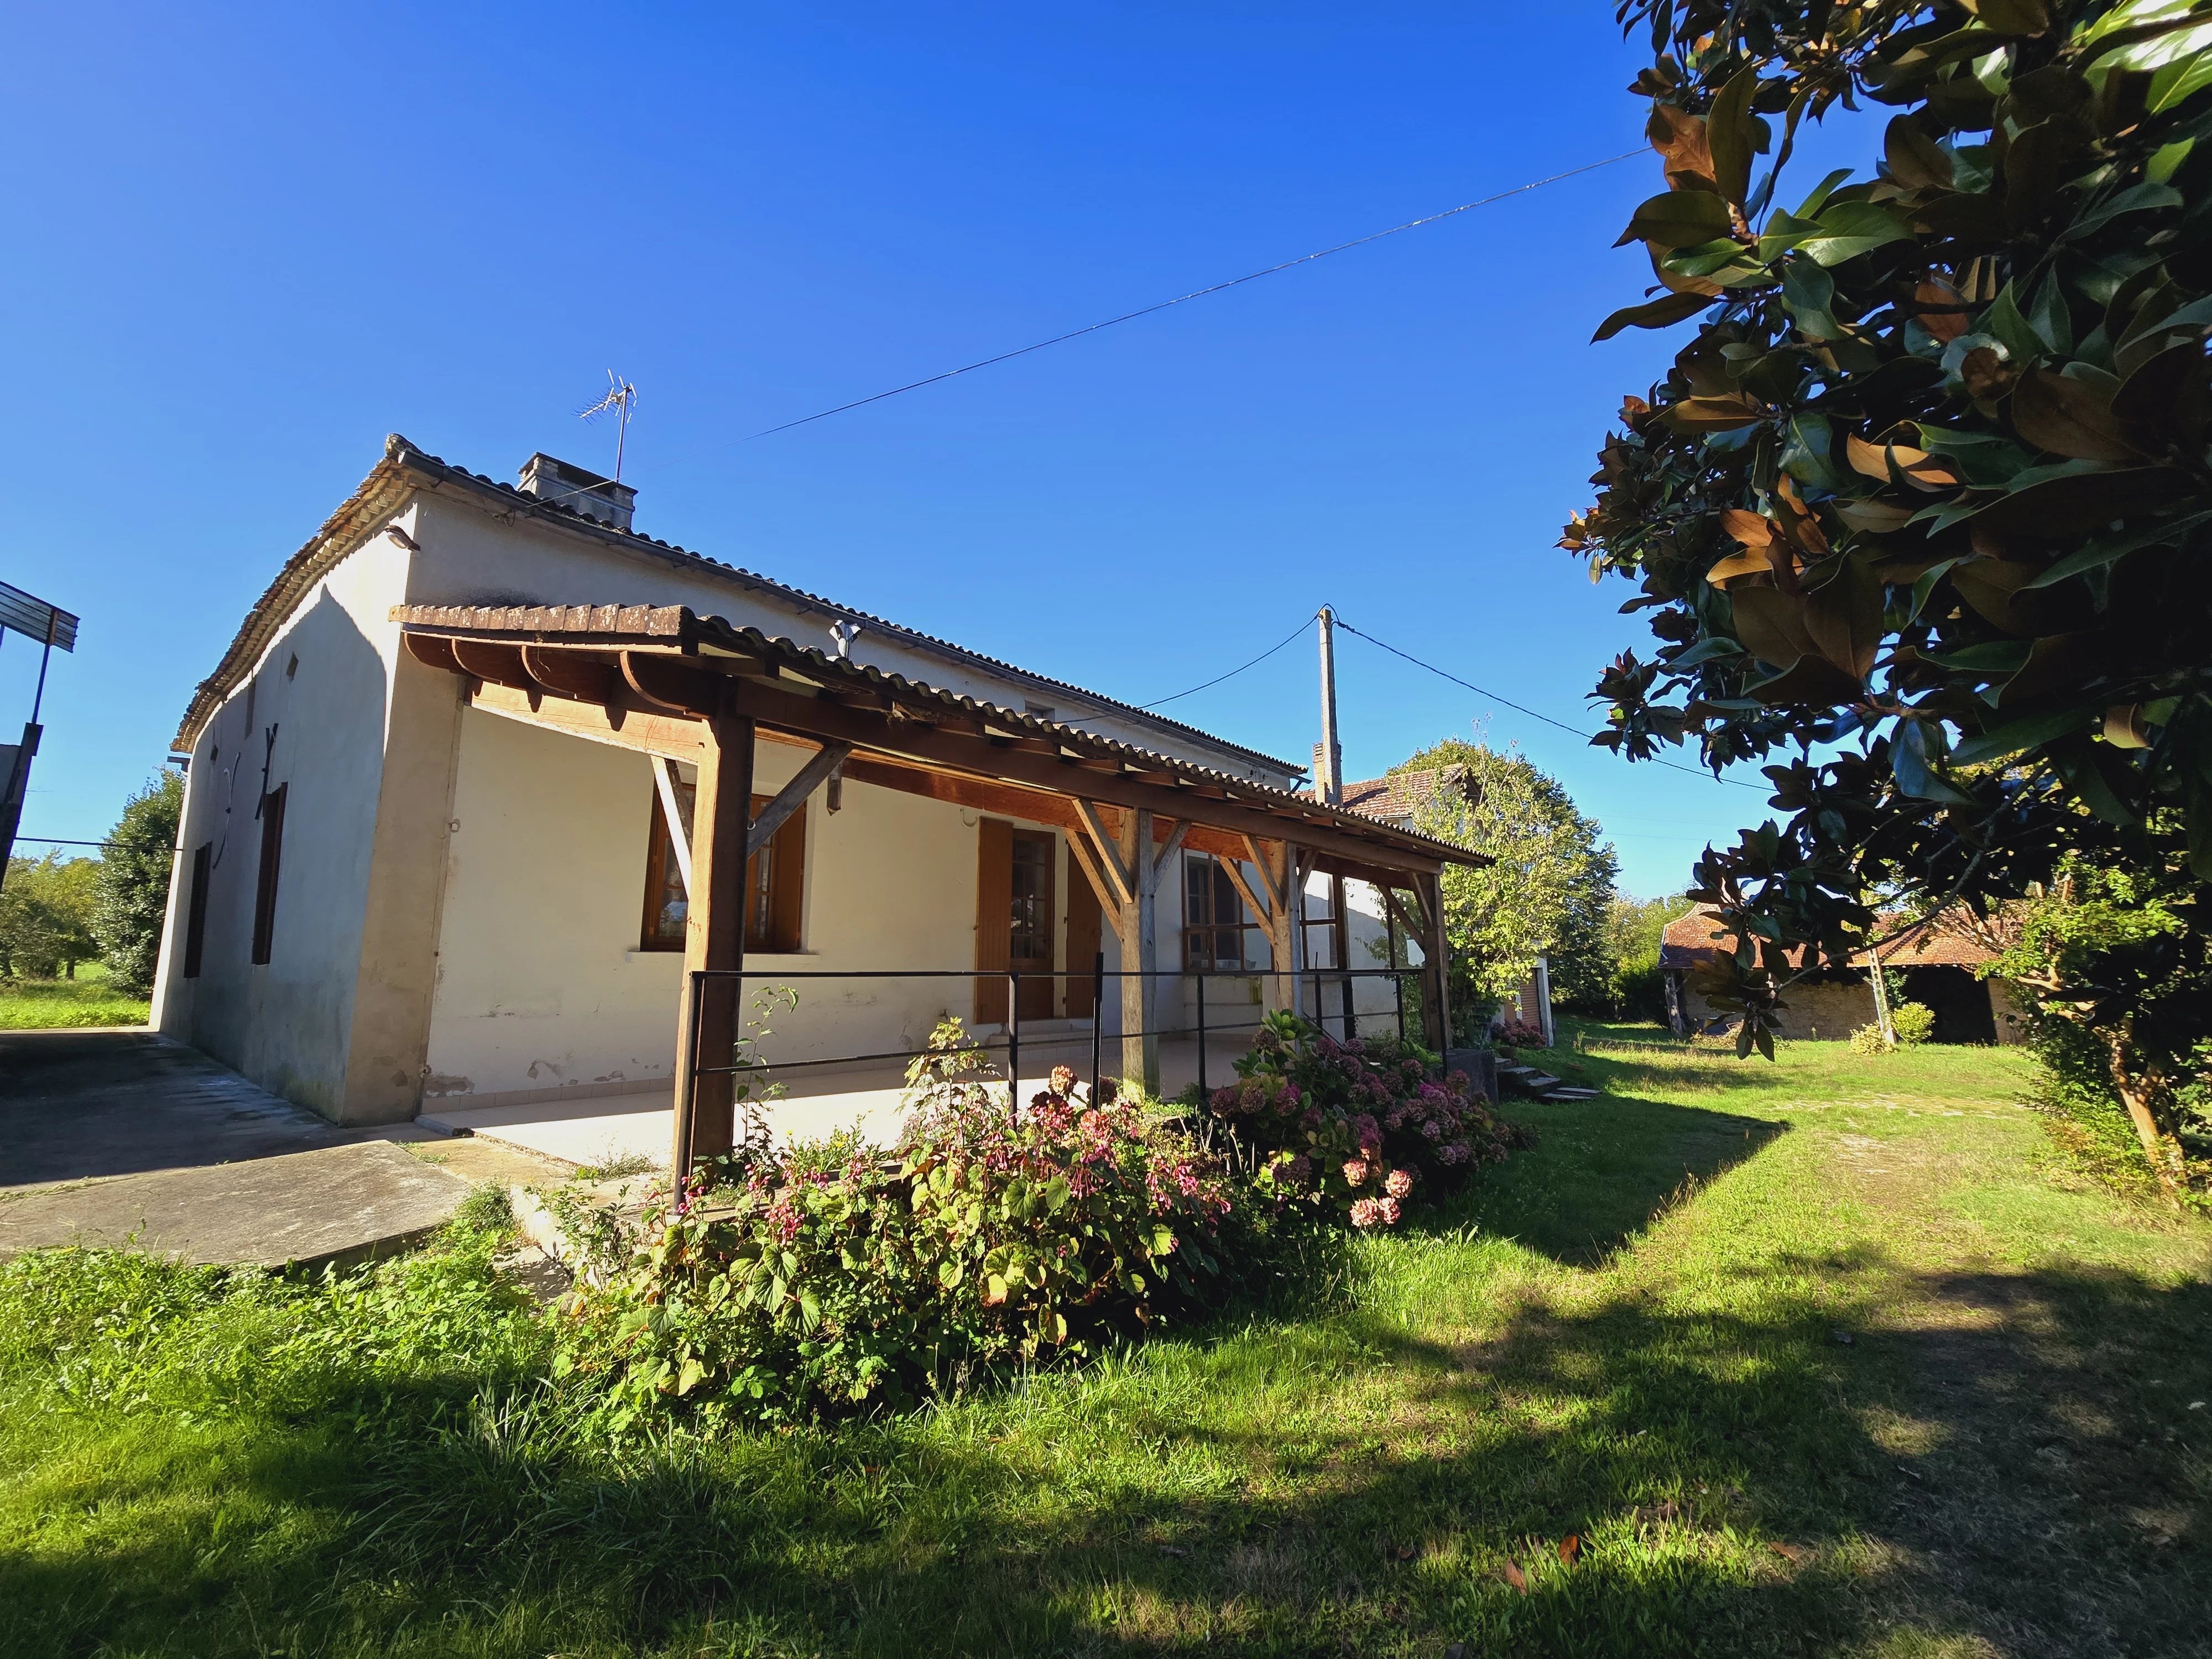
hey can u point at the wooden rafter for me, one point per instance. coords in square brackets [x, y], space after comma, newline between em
[788, 799]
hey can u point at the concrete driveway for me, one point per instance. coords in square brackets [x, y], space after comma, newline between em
[127, 1140]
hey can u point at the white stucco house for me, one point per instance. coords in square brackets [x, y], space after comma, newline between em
[491, 795]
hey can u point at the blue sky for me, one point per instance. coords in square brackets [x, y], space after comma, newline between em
[249, 242]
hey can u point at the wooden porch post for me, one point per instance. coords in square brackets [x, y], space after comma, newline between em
[1138, 929]
[1436, 945]
[714, 938]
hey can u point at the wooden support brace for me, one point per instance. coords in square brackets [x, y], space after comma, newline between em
[1110, 859]
[788, 799]
[679, 833]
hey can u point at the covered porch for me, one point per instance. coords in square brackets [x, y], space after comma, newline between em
[761, 727]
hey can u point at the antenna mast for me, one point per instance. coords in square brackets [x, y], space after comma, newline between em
[622, 399]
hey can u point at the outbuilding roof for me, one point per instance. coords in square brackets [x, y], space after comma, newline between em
[406, 467]
[1943, 942]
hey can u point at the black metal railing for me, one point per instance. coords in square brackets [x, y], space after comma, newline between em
[1011, 1043]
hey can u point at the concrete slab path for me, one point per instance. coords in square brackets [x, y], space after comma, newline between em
[78, 1105]
[336, 1204]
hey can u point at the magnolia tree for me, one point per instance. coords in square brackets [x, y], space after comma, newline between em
[1922, 513]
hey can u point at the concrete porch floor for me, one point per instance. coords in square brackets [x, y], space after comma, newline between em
[603, 1131]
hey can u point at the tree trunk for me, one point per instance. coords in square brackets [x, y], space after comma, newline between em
[2160, 1147]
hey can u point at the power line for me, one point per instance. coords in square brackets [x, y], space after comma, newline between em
[1233, 672]
[1144, 311]
[1492, 696]
[1198, 294]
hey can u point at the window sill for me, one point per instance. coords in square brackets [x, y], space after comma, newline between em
[751, 956]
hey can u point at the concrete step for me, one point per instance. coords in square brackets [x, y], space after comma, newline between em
[1570, 1092]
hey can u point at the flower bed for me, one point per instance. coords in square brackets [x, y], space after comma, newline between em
[1355, 1126]
[790, 1283]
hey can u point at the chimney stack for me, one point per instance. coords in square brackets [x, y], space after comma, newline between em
[560, 483]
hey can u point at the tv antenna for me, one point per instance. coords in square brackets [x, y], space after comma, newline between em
[621, 400]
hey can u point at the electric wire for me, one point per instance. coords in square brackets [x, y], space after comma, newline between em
[1492, 696]
[1160, 703]
[1143, 311]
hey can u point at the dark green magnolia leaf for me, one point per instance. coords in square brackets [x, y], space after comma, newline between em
[1811, 206]
[1914, 766]
[2009, 16]
[2111, 549]
[2003, 322]
[1782, 232]
[2136, 198]
[2097, 776]
[1850, 229]
[2078, 498]
[1913, 158]
[2029, 732]
[1731, 135]
[1653, 313]
[1680, 218]
[1809, 291]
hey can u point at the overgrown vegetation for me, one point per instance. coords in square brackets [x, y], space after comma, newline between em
[1628, 1336]
[791, 1283]
[1548, 892]
[1931, 481]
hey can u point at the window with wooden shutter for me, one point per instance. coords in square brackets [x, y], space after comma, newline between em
[272, 856]
[775, 882]
[196, 903]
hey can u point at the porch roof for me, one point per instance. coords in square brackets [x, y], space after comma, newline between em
[655, 662]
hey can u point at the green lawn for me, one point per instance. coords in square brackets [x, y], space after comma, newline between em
[1824, 1356]
[38, 1005]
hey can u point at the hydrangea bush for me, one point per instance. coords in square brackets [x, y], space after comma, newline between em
[793, 1282]
[1355, 1126]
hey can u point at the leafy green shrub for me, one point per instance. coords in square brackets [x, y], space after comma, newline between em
[1353, 1126]
[789, 1283]
[1913, 1022]
[133, 896]
[1868, 1040]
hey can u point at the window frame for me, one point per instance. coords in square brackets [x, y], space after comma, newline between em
[777, 874]
[267, 877]
[195, 904]
[1217, 891]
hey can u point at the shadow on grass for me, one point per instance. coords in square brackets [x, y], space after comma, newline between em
[1601, 1171]
[1131, 1513]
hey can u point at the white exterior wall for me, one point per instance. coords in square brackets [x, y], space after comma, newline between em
[289, 1025]
[541, 985]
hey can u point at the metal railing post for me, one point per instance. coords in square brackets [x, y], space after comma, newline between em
[1202, 1036]
[686, 1107]
[1014, 1045]
[1097, 1022]
[1398, 986]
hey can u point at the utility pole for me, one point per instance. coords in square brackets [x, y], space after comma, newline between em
[1328, 759]
[1329, 788]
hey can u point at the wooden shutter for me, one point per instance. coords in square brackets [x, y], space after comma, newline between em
[788, 882]
[196, 910]
[1083, 939]
[272, 854]
[994, 918]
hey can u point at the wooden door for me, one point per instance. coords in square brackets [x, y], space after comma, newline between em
[1083, 936]
[1014, 920]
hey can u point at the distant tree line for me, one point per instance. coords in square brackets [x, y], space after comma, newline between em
[58, 913]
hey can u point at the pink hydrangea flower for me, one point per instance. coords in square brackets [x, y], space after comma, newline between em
[1355, 1171]
[1399, 1182]
[1366, 1212]
[1386, 1208]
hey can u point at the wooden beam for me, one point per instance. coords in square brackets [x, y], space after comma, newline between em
[788, 799]
[1169, 849]
[1435, 944]
[433, 652]
[671, 812]
[665, 682]
[1139, 933]
[502, 665]
[951, 741]
[1110, 905]
[1109, 858]
[1261, 910]
[622, 727]
[714, 939]
[574, 674]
